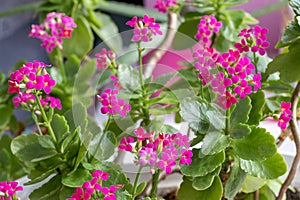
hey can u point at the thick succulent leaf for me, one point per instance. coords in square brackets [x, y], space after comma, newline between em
[203, 165]
[214, 192]
[270, 168]
[258, 145]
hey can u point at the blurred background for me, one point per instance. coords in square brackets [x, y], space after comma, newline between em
[15, 45]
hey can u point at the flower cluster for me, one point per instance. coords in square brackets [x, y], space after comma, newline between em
[94, 188]
[31, 78]
[105, 59]
[144, 28]
[207, 26]
[230, 75]
[164, 152]
[285, 116]
[111, 104]
[253, 39]
[55, 27]
[165, 5]
[8, 190]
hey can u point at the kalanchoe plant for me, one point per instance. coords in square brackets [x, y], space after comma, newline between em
[220, 94]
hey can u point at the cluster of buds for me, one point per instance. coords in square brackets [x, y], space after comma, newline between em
[164, 152]
[55, 27]
[253, 39]
[8, 190]
[94, 189]
[285, 116]
[164, 6]
[144, 28]
[106, 59]
[207, 26]
[111, 104]
[32, 78]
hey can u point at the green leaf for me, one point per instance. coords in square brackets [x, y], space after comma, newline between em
[252, 184]
[231, 3]
[60, 126]
[290, 35]
[161, 81]
[214, 192]
[67, 141]
[295, 5]
[257, 104]
[258, 145]
[48, 191]
[129, 78]
[4, 118]
[81, 41]
[216, 117]
[28, 148]
[184, 37]
[239, 130]
[235, 180]
[109, 32]
[270, 168]
[83, 150]
[214, 142]
[231, 21]
[286, 63]
[72, 66]
[201, 166]
[76, 178]
[103, 145]
[241, 112]
[194, 113]
[204, 182]
[140, 188]
[66, 192]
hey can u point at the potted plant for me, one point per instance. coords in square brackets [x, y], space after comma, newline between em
[93, 105]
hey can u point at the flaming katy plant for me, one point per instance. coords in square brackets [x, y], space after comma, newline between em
[90, 107]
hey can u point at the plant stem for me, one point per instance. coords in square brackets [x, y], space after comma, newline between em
[227, 122]
[36, 122]
[155, 178]
[140, 50]
[255, 61]
[61, 65]
[296, 135]
[46, 121]
[136, 181]
[256, 195]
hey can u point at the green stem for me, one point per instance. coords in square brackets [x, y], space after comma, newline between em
[46, 121]
[36, 122]
[155, 178]
[61, 65]
[255, 61]
[227, 122]
[136, 181]
[140, 50]
[145, 110]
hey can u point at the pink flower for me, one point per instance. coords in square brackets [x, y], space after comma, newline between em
[243, 89]
[125, 144]
[55, 27]
[286, 108]
[117, 84]
[48, 83]
[207, 26]
[165, 5]
[141, 134]
[166, 163]
[109, 193]
[100, 175]
[81, 194]
[10, 188]
[186, 157]
[283, 120]
[144, 28]
[147, 156]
